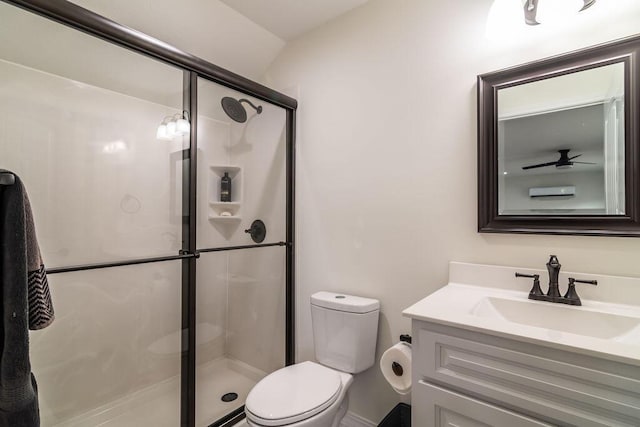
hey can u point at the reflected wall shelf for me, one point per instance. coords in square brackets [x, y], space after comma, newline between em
[216, 207]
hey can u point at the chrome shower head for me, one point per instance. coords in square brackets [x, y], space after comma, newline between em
[234, 109]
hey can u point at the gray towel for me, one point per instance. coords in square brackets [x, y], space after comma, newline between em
[26, 303]
[40, 306]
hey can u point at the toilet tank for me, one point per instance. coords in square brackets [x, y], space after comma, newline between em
[345, 330]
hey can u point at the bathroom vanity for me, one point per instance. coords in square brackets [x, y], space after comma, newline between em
[486, 355]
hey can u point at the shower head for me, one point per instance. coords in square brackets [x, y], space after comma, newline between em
[234, 109]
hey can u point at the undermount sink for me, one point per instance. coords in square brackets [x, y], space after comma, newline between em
[558, 317]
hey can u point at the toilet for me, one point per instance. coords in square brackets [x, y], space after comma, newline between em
[310, 394]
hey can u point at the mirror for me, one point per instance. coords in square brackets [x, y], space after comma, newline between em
[558, 144]
[561, 144]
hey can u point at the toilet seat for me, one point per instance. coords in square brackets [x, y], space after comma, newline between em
[293, 394]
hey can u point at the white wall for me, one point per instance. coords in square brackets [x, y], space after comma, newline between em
[561, 92]
[386, 186]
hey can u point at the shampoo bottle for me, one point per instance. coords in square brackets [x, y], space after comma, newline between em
[225, 188]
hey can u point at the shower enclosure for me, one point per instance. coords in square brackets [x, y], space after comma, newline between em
[170, 303]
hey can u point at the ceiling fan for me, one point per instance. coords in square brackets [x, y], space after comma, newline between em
[562, 163]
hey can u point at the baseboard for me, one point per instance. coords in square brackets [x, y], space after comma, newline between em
[353, 420]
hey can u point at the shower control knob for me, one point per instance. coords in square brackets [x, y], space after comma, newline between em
[258, 231]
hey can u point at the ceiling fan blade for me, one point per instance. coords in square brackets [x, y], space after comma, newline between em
[577, 155]
[586, 163]
[541, 165]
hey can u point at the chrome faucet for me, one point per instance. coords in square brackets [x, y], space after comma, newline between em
[553, 293]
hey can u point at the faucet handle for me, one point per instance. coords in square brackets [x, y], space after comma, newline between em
[589, 282]
[535, 292]
[531, 276]
[571, 297]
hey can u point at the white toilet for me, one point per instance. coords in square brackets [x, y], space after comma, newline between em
[345, 330]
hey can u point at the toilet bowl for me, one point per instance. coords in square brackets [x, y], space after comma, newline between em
[314, 394]
[306, 394]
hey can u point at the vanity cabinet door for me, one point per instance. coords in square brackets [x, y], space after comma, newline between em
[572, 389]
[439, 407]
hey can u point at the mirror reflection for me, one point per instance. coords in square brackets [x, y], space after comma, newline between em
[561, 145]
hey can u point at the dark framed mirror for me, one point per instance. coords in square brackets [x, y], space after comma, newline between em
[558, 144]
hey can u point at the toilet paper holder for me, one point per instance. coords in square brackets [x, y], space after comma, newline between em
[405, 338]
[395, 366]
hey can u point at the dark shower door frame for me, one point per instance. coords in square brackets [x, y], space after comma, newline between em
[193, 67]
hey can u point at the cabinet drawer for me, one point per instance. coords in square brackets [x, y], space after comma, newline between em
[569, 388]
[439, 407]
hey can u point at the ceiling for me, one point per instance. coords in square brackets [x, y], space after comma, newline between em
[537, 139]
[543, 134]
[218, 33]
[208, 29]
[289, 19]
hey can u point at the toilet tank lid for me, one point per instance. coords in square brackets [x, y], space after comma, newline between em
[344, 302]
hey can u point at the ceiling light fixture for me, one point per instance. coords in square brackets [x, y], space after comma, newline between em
[546, 11]
[162, 133]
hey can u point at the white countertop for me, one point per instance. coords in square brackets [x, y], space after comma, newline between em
[462, 303]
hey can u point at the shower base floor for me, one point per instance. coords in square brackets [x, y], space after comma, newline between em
[159, 405]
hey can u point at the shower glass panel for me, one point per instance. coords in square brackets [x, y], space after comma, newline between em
[112, 356]
[241, 294]
[253, 153]
[241, 326]
[78, 122]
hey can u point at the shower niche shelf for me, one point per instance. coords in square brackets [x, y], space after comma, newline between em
[216, 207]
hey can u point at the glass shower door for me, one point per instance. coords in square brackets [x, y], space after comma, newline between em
[78, 121]
[114, 210]
[241, 287]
